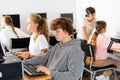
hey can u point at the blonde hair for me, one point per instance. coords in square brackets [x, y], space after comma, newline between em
[42, 26]
[9, 21]
[99, 26]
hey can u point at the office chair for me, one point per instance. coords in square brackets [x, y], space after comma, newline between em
[20, 43]
[53, 40]
[87, 48]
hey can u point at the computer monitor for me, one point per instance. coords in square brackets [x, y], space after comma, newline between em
[67, 15]
[20, 42]
[15, 18]
[43, 15]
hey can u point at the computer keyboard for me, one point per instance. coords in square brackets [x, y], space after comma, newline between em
[31, 70]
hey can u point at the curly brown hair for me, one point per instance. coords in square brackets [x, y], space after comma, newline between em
[63, 23]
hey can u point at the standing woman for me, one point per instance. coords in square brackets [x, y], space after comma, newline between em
[9, 31]
[88, 24]
[39, 40]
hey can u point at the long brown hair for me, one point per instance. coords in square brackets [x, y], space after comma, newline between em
[99, 26]
[9, 21]
[42, 26]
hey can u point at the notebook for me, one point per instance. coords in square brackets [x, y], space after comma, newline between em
[3, 53]
[30, 70]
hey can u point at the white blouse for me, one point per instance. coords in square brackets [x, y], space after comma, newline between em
[6, 34]
[36, 46]
[89, 28]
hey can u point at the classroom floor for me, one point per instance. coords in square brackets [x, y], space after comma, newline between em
[86, 76]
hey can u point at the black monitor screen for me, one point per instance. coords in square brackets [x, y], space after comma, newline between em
[16, 19]
[43, 15]
[20, 42]
[67, 15]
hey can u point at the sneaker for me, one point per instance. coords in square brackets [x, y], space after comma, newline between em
[107, 78]
[102, 77]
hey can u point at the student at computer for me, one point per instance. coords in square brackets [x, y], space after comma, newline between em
[100, 43]
[88, 24]
[65, 60]
[39, 40]
[9, 31]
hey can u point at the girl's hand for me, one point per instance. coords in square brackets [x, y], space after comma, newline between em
[43, 51]
[23, 55]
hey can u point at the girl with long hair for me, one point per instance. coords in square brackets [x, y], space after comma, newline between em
[100, 43]
[39, 40]
[9, 31]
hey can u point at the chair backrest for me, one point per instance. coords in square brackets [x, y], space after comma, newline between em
[53, 40]
[89, 54]
[87, 48]
[20, 42]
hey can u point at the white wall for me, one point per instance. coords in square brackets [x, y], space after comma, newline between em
[53, 8]
[107, 10]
